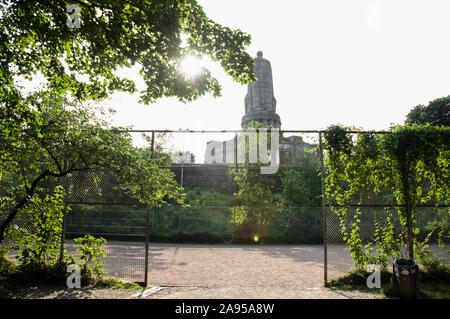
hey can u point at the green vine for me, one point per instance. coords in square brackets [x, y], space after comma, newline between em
[407, 166]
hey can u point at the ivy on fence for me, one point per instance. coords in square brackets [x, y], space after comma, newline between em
[405, 167]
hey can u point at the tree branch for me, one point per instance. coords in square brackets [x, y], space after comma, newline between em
[21, 203]
[51, 155]
[29, 194]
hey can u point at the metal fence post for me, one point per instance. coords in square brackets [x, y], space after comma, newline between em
[324, 214]
[63, 230]
[63, 233]
[147, 237]
[235, 150]
[153, 144]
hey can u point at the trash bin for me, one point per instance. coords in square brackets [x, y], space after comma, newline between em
[405, 274]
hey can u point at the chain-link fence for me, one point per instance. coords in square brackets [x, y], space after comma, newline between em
[199, 160]
[203, 163]
[125, 228]
[371, 224]
[20, 224]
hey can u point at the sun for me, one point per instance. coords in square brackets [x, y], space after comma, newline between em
[191, 65]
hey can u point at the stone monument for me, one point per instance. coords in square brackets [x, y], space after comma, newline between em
[260, 106]
[260, 102]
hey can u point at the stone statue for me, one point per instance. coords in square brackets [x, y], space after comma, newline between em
[260, 106]
[260, 103]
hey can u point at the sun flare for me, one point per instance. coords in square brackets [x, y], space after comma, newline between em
[191, 65]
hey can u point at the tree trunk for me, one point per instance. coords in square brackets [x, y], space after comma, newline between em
[11, 216]
[21, 203]
[409, 234]
[408, 211]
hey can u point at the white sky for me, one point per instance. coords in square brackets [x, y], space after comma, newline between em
[354, 62]
[363, 63]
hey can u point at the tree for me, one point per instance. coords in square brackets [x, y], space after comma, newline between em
[41, 139]
[37, 38]
[38, 242]
[256, 204]
[49, 138]
[301, 186]
[437, 113]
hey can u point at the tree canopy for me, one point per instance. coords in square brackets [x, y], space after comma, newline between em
[65, 138]
[436, 113]
[37, 38]
[52, 133]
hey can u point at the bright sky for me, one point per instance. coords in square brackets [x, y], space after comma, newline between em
[364, 63]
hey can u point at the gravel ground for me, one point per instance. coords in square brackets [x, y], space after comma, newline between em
[220, 266]
[260, 293]
[244, 271]
[195, 271]
[188, 293]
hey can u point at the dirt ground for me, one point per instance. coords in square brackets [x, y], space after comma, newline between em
[196, 271]
[220, 266]
[205, 265]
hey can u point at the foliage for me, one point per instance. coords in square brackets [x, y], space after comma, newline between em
[436, 113]
[48, 135]
[255, 202]
[146, 181]
[356, 278]
[263, 202]
[300, 187]
[159, 152]
[52, 138]
[114, 283]
[255, 198]
[6, 265]
[297, 225]
[434, 290]
[436, 270]
[386, 242]
[36, 39]
[46, 274]
[432, 285]
[207, 197]
[411, 162]
[91, 253]
[38, 240]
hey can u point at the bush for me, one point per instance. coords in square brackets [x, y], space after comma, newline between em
[435, 270]
[297, 225]
[6, 265]
[188, 237]
[30, 273]
[357, 279]
[206, 197]
[433, 282]
[91, 253]
[39, 241]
